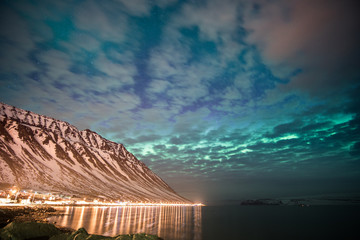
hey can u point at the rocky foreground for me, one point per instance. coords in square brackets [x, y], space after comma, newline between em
[9, 214]
[30, 223]
[42, 231]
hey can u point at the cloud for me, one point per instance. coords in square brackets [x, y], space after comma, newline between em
[19, 35]
[137, 7]
[57, 63]
[320, 38]
[104, 20]
[143, 7]
[158, 86]
[15, 41]
[121, 73]
[144, 138]
[204, 59]
[215, 19]
[182, 85]
[81, 41]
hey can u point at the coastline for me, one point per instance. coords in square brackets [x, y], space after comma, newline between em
[17, 220]
[26, 214]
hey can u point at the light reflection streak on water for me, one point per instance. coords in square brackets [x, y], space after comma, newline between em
[66, 216]
[168, 222]
[81, 218]
[159, 222]
[102, 218]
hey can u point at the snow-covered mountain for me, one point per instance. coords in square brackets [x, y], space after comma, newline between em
[39, 152]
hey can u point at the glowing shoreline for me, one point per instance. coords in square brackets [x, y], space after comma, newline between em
[16, 197]
[83, 203]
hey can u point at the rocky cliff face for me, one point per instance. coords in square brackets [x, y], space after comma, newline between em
[39, 152]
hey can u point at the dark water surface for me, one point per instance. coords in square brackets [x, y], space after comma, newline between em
[218, 222]
[281, 222]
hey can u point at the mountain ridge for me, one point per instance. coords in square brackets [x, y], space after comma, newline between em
[37, 151]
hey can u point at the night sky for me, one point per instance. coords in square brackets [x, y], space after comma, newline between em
[224, 100]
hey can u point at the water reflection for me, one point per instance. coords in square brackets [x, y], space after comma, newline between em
[168, 222]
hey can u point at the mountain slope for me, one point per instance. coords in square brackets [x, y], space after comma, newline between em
[39, 152]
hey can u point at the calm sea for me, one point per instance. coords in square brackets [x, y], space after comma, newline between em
[218, 222]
